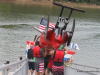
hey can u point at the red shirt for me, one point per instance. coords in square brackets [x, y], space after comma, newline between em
[50, 62]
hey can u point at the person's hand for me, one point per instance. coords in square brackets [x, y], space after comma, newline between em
[53, 47]
[29, 44]
[65, 49]
[45, 47]
[40, 35]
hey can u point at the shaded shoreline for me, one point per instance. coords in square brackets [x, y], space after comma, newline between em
[70, 4]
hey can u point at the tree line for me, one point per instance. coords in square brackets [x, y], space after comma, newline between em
[97, 2]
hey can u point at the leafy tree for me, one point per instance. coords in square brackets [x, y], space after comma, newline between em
[82, 1]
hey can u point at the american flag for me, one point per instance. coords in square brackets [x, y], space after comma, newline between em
[43, 24]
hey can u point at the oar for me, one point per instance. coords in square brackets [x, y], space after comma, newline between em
[35, 35]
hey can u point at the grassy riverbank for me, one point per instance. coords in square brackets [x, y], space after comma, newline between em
[83, 5]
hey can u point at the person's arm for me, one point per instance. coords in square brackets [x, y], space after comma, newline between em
[9, 69]
[45, 52]
[66, 51]
[37, 38]
[28, 46]
[51, 52]
[72, 58]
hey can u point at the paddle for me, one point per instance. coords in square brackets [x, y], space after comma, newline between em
[35, 36]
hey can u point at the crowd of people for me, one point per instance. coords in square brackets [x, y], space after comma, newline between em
[44, 62]
[10, 68]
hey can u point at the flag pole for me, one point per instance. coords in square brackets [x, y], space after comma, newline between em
[36, 33]
[35, 36]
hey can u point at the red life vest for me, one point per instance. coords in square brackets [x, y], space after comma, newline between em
[59, 55]
[50, 62]
[36, 52]
[63, 50]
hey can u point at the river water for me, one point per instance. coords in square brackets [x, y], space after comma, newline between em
[17, 23]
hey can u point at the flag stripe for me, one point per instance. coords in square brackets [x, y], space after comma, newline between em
[41, 27]
[69, 54]
[41, 67]
[43, 24]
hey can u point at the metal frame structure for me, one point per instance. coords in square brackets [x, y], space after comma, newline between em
[21, 68]
[18, 68]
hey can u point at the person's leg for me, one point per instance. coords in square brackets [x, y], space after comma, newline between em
[45, 66]
[41, 73]
[29, 64]
[41, 68]
[51, 71]
[29, 72]
[36, 73]
[46, 72]
[32, 72]
[33, 68]
[54, 70]
[36, 68]
[61, 70]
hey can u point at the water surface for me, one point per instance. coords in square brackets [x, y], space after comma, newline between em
[17, 22]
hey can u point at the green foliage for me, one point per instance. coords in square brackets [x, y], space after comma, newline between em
[73, 0]
[59, 0]
[97, 2]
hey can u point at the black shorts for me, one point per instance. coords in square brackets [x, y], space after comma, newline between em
[45, 65]
[31, 65]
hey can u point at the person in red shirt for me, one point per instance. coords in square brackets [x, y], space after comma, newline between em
[39, 54]
[49, 67]
[58, 63]
[30, 56]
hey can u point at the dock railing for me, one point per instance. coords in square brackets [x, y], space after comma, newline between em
[21, 68]
[77, 69]
[18, 68]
